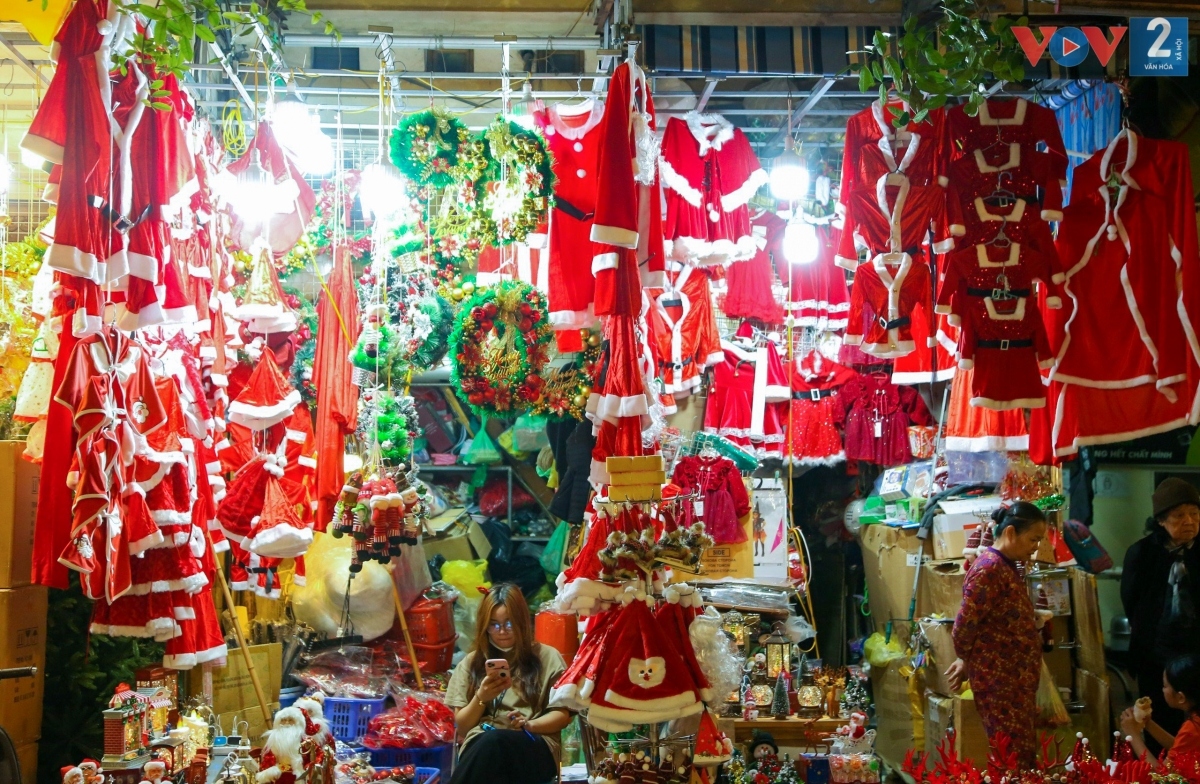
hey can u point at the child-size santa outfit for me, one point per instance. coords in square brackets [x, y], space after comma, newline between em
[572, 134]
[1004, 343]
[815, 413]
[686, 335]
[724, 496]
[819, 295]
[889, 293]
[750, 283]
[710, 172]
[878, 414]
[743, 405]
[1024, 172]
[1007, 121]
[875, 148]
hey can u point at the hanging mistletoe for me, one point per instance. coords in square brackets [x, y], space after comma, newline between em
[517, 184]
[434, 149]
[567, 386]
[499, 347]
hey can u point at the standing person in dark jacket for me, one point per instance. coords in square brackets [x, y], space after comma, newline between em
[1160, 588]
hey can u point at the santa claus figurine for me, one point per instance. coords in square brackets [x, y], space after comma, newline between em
[92, 772]
[316, 725]
[71, 774]
[282, 758]
[153, 772]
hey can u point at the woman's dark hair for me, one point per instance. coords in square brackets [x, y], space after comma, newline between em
[1183, 673]
[1021, 516]
[527, 664]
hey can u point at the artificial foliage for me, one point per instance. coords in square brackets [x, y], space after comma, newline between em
[498, 348]
[395, 428]
[517, 183]
[82, 671]
[956, 51]
[435, 149]
[568, 385]
[780, 706]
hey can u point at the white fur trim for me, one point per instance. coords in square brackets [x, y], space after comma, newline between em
[678, 183]
[614, 235]
[281, 541]
[603, 261]
[740, 196]
[1008, 405]
[262, 417]
[987, 443]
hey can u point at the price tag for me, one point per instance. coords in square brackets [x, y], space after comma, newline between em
[879, 429]
[698, 506]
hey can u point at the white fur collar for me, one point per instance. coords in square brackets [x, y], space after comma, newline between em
[711, 131]
[592, 107]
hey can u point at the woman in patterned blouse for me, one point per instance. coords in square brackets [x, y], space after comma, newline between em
[996, 632]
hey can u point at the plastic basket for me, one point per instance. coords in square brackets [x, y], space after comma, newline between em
[435, 658]
[440, 758]
[427, 775]
[288, 696]
[430, 621]
[348, 717]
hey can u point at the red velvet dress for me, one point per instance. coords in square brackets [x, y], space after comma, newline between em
[749, 283]
[878, 414]
[815, 412]
[722, 492]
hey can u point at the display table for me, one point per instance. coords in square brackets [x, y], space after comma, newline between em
[793, 731]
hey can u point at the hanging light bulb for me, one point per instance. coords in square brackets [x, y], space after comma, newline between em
[254, 193]
[298, 129]
[789, 175]
[800, 242]
[381, 190]
[524, 107]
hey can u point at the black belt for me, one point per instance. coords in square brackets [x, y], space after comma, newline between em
[812, 394]
[903, 321]
[676, 365]
[119, 221]
[998, 293]
[572, 210]
[1004, 345]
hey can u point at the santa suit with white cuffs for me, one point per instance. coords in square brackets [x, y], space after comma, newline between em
[572, 135]
[1007, 121]
[1005, 344]
[1024, 172]
[875, 148]
[710, 172]
[747, 386]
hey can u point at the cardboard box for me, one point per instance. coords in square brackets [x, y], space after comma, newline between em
[479, 541]
[940, 654]
[895, 731]
[890, 557]
[941, 588]
[891, 484]
[1089, 630]
[624, 465]
[970, 740]
[639, 478]
[634, 492]
[456, 547]
[959, 517]
[939, 720]
[18, 508]
[23, 644]
[27, 760]
[1091, 689]
[232, 688]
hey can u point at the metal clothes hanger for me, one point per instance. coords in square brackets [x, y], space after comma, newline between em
[1001, 196]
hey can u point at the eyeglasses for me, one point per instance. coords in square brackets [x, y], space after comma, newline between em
[496, 627]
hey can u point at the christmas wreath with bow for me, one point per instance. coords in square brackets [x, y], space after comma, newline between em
[434, 149]
[498, 349]
[567, 386]
[516, 186]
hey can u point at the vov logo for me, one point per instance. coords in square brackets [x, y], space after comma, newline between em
[1158, 46]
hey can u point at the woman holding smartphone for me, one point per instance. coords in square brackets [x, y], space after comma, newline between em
[500, 691]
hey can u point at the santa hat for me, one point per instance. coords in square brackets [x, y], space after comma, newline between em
[278, 531]
[153, 765]
[68, 771]
[314, 713]
[267, 398]
[575, 686]
[643, 678]
[673, 620]
[263, 307]
[88, 762]
[978, 539]
[712, 746]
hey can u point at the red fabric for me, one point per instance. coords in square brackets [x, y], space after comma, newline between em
[878, 414]
[970, 428]
[1187, 740]
[1006, 377]
[873, 150]
[750, 292]
[709, 171]
[685, 331]
[694, 473]
[52, 528]
[893, 219]
[887, 298]
[1005, 121]
[735, 399]
[337, 397]
[988, 266]
[573, 134]
[283, 229]
[1025, 172]
[813, 419]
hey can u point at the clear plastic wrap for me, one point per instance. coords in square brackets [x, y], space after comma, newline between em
[348, 671]
[747, 596]
[419, 720]
[715, 652]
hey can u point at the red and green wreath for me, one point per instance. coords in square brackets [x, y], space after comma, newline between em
[499, 346]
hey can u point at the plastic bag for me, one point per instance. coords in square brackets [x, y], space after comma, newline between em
[529, 433]
[520, 565]
[880, 653]
[552, 557]
[467, 576]
[493, 499]
[482, 450]
[417, 722]
[347, 671]
[799, 629]
[321, 601]
[410, 571]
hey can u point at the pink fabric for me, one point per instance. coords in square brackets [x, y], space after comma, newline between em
[876, 406]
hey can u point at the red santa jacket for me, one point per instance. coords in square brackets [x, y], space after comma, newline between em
[889, 219]
[1005, 343]
[1007, 120]
[1026, 173]
[980, 269]
[888, 293]
[875, 148]
[710, 172]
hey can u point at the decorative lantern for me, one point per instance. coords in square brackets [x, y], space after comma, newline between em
[734, 624]
[810, 697]
[779, 651]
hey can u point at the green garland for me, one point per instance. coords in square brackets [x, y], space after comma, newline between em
[431, 352]
[434, 149]
[516, 188]
[499, 343]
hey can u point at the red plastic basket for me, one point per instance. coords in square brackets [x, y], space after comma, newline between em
[435, 658]
[431, 621]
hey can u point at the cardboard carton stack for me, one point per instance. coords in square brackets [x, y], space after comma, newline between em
[635, 478]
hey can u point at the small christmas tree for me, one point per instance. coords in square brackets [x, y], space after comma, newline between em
[780, 707]
[787, 772]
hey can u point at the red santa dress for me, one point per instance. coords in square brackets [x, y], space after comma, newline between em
[1005, 344]
[748, 384]
[750, 283]
[815, 413]
[1007, 120]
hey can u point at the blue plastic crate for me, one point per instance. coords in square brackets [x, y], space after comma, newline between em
[288, 696]
[437, 757]
[428, 775]
[348, 717]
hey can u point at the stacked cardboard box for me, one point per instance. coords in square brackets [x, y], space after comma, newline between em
[635, 478]
[22, 605]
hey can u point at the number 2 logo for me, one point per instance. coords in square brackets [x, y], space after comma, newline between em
[1164, 28]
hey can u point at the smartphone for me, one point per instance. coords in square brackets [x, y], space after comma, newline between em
[497, 666]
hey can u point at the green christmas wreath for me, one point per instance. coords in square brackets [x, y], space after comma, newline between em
[498, 349]
[517, 184]
[434, 149]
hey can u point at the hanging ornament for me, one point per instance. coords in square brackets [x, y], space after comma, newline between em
[568, 384]
[517, 184]
[433, 148]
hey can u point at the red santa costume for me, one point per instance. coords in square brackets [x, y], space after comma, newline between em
[710, 172]
[748, 384]
[889, 294]
[876, 148]
[1005, 344]
[815, 413]
[295, 198]
[686, 333]
[750, 283]
[878, 414]
[969, 428]
[818, 291]
[1005, 121]
[573, 137]
[1025, 172]
[1123, 296]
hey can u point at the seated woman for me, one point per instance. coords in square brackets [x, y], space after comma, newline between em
[1181, 690]
[500, 692]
